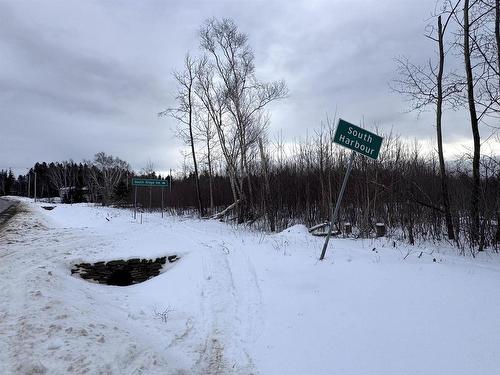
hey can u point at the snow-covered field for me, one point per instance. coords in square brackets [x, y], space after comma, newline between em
[238, 301]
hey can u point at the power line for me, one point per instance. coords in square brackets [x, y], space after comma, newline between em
[11, 167]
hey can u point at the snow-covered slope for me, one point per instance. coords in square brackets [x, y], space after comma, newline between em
[238, 301]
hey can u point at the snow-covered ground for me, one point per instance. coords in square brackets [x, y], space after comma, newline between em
[238, 301]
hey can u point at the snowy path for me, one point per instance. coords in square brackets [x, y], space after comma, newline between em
[238, 302]
[47, 328]
[52, 328]
[231, 296]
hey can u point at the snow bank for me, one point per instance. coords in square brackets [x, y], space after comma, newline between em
[238, 301]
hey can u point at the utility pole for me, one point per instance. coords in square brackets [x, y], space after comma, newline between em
[35, 186]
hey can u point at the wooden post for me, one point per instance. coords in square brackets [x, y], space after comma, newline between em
[497, 235]
[380, 229]
[347, 228]
[161, 202]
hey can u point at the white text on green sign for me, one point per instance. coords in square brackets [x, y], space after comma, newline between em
[149, 182]
[357, 139]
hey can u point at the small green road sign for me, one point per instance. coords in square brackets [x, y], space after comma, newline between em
[149, 182]
[357, 139]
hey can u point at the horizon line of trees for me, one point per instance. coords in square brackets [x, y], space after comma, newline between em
[221, 110]
[401, 189]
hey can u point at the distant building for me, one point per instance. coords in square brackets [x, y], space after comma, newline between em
[73, 194]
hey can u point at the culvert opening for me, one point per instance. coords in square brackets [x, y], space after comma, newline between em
[120, 278]
[122, 272]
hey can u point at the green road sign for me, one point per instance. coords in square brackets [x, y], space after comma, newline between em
[357, 139]
[149, 182]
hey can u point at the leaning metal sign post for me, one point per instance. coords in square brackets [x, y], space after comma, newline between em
[358, 140]
[148, 182]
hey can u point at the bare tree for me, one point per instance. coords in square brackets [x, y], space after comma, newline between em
[484, 43]
[105, 173]
[212, 95]
[233, 61]
[474, 121]
[149, 169]
[429, 85]
[207, 133]
[269, 204]
[497, 36]
[184, 112]
[477, 42]
[62, 175]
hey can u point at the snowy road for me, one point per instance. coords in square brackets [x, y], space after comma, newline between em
[5, 213]
[238, 301]
[5, 204]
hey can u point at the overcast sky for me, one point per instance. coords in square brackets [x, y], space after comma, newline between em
[79, 77]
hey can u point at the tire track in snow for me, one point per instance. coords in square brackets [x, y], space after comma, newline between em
[232, 301]
[219, 309]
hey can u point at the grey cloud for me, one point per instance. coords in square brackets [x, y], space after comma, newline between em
[90, 76]
[62, 76]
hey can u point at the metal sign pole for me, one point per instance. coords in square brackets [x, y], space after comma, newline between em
[135, 203]
[161, 202]
[337, 205]
[150, 190]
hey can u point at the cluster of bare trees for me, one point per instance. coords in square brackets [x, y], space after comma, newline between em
[221, 105]
[105, 175]
[221, 102]
[467, 37]
[402, 189]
